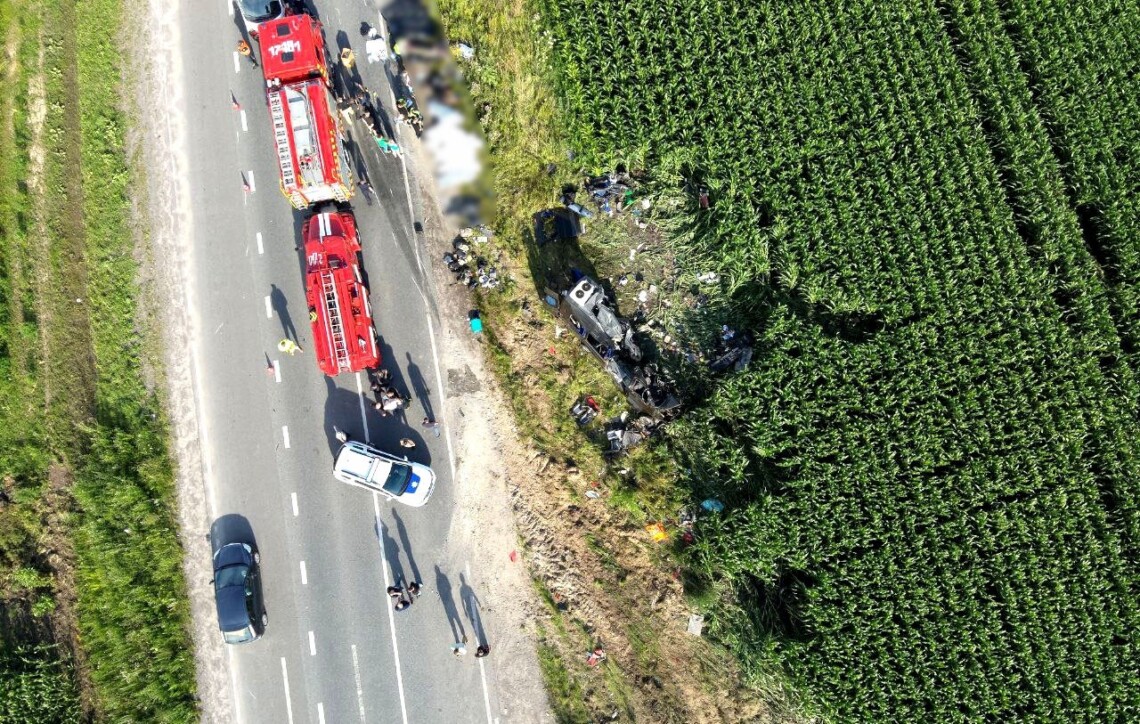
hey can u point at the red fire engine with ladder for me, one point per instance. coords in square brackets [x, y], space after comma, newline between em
[305, 125]
[338, 300]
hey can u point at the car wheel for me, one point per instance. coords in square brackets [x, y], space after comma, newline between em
[264, 620]
[257, 557]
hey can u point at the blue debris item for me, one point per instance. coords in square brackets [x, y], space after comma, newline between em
[712, 505]
[476, 321]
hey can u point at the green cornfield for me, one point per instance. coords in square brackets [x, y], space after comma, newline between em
[927, 213]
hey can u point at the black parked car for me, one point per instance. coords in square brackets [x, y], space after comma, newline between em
[237, 592]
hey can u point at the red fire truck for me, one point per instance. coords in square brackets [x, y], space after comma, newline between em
[305, 125]
[338, 300]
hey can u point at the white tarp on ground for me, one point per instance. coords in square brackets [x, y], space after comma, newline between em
[454, 150]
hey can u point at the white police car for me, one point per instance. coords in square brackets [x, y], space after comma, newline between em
[396, 478]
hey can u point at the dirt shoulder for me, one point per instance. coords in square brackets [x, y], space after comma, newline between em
[155, 76]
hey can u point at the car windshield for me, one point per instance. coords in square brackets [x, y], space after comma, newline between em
[231, 576]
[259, 10]
[238, 637]
[398, 477]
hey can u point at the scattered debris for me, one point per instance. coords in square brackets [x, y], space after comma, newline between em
[696, 624]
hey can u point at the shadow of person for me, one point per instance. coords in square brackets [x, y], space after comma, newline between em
[281, 306]
[392, 555]
[419, 386]
[444, 587]
[471, 608]
[402, 531]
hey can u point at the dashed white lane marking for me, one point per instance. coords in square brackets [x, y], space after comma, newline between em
[268, 307]
[391, 612]
[312, 644]
[277, 370]
[237, 63]
[439, 384]
[285, 435]
[252, 185]
[288, 699]
[230, 7]
[363, 416]
[304, 575]
[320, 712]
[296, 510]
[359, 688]
[260, 244]
[244, 122]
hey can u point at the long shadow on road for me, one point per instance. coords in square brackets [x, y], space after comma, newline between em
[419, 386]
[392, 555]
[403, 533]
[281, 305]
[443, 585]
[471, 605]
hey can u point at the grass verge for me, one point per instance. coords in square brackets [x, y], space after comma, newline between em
[77, 376]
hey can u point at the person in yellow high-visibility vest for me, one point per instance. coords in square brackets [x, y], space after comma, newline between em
[289, 347]
[347, 58]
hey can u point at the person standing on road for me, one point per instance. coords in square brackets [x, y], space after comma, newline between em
[395, 592]
[459, 648]
[407, 442]
[482, 650]
[289, 346]
[403, 603]
[244, 49]
[431, 425]
[414, 588]
[366, 189]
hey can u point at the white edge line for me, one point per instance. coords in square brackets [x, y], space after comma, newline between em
[288, 699]
[260, 244]
[304, 574]
[439, 384]
[391, 612]
[296, 510]
[359, 688]
[312, 644]
[363, 414]
[411, 215]
[268, 307]
[482, 668]
[285, 435]
[486, 694]
[233, 681]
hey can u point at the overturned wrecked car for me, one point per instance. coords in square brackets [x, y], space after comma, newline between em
[610, 339]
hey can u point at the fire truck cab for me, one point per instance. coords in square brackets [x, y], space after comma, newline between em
[306, 129]
[338, 300]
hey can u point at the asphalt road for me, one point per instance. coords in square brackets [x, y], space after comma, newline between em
[334, 650]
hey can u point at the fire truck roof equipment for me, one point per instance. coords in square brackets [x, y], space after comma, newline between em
[339, 310]
[306, 131]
